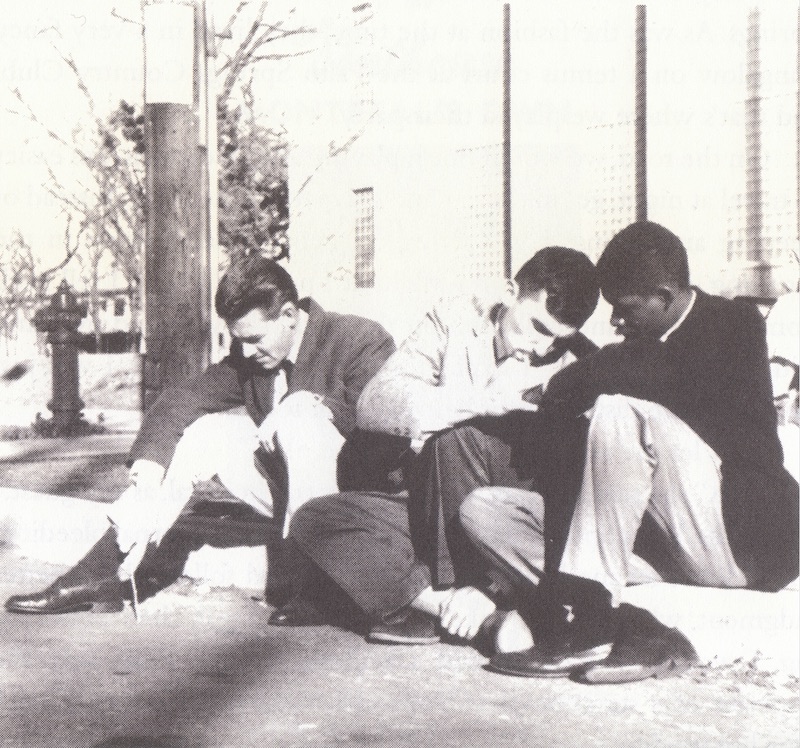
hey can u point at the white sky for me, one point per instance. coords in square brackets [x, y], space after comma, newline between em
[108, 52]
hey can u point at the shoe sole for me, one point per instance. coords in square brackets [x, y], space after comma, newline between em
[527, 673]
[394, 639]
[600, 653]
[105, 607]
[598, 675]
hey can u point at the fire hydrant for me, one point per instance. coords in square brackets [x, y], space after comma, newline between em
[60, 320]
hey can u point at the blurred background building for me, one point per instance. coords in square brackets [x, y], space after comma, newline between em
[396, 174]
[400, 118]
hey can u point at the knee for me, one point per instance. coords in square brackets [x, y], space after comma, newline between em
[200, 434]
[454, 439]
[610, 413]
[309, 519]
[487, 514]
[478, 511]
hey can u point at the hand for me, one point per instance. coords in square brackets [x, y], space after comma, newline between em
[132, 515]
[294, 407]
[464, 610]
[510, 381]
[787, 408]
[146, 475]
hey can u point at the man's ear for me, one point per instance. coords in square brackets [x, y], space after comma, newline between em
[289, 314]
[511, 292]
[666, 294]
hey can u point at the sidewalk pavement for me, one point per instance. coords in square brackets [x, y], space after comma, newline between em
[114, 445]
[201, 668]
[118, 421]
[724, 625]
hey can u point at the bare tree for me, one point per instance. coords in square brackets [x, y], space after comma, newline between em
[104, 206]
[103, 201]
[24, 282]
[253, 45]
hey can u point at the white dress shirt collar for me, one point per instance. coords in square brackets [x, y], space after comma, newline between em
[680, 319]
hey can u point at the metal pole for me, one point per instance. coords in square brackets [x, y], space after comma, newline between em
[218, 327]
[754, 209]
[640, 132]
[507, 140]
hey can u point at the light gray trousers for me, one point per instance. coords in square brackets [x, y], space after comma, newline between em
[223, 445]
[641, 459]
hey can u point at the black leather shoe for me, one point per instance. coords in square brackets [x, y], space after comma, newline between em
[408, 626]
[574, 626]
[638, 656]
[550, 659]
[297, 612]
[99, 597]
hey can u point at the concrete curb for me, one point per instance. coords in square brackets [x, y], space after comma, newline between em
[59, 530]
[725, 626]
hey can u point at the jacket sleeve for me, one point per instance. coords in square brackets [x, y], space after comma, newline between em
[629, 368]
[368, 348]
[408, 396]
[741, 391]
[215, 390]
[407, 384]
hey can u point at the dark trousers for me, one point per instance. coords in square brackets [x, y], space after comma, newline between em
[382, 553]
[362, 542]
[481, 452]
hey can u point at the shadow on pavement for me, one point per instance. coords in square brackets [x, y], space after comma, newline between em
[186, 709]
[135, 741]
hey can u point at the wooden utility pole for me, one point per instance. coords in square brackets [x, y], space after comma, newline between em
[177, 289]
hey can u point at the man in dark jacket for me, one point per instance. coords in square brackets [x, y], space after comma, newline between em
[683, 465]
[269, 421]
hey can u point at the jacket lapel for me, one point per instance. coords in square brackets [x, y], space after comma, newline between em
[480, 351]
[313, 338]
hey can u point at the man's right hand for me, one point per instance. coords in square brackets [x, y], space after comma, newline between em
[133, 515]
[510, 381]
[464, 610]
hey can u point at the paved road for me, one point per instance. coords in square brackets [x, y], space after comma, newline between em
[203, 669]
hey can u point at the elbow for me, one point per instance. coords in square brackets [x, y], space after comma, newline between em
[378, 412]
[364, 410]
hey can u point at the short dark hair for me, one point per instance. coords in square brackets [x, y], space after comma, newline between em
[641, 258]
[254, 282]
[570, 279]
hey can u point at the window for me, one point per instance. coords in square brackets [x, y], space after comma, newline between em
[362, 17]
[365, 238]
[480, 213]
[119, 307]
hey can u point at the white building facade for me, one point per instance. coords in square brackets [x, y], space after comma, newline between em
[396, 175]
